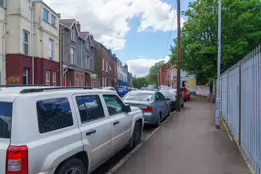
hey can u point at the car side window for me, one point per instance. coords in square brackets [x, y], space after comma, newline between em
[53, 114]
[90, 108]
[157, 97]
[114, 104]
[161, 97]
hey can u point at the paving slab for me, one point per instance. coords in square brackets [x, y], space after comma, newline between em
[188, 144]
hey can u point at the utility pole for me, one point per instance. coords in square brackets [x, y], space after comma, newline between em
[219, 64]
[179, 59]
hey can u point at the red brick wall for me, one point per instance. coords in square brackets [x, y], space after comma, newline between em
[162, 75]
[16, 63]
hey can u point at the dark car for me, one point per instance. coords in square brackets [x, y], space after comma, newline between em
[171, 95]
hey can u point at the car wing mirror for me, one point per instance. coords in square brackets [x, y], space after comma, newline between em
[127, 108]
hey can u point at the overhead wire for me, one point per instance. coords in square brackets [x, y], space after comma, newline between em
[170, 32]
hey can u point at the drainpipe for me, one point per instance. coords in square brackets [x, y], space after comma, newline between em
[3, 54]
[32, 38]
[61, 56]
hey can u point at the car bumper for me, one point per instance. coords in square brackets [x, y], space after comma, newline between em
[150, 118]
[172, 105]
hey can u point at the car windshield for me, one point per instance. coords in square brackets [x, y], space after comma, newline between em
[145, 97]
[168, 92]
[121, 88]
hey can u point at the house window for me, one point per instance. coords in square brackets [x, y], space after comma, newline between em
[46, 15]
[86, 62]
[77, 81]
[25, 77]
[72, 35]
[47, 78]
[72, 55]
[53, 22]
[102, 64]
[26, 36]
[54, 79]
[106, 66]
[51, 49]
[2, 3]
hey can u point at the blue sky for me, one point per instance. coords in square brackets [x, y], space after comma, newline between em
[136, 30]
[148, 44]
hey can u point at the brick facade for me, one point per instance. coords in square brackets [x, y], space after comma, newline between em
[17, 64]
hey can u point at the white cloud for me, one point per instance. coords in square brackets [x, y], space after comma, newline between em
[109, 20]
[140, 67]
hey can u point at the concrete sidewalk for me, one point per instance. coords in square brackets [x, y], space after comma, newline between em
[188, 144]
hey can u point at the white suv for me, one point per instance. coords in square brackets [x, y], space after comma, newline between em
[63, 131]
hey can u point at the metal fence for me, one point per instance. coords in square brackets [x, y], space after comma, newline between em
[241, 105]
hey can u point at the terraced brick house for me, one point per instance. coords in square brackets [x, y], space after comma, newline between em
[77, 49]
[32, 43]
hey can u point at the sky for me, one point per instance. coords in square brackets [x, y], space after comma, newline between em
[139, 32]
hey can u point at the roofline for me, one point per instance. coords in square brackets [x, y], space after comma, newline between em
[37, 1]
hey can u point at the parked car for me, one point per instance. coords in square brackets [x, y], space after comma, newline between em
[185, 94]
[154, 105]
[62, 130]
[122, 91]
[171, 95]
[109, 88]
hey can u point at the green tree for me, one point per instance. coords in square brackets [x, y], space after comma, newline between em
[153, 72]
[140, 82]
[241, 34]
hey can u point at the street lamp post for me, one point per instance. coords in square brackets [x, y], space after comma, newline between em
[219, 65]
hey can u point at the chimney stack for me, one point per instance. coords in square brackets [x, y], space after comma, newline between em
[79, 26]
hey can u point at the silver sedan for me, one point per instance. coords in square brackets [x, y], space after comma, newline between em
[154, 105]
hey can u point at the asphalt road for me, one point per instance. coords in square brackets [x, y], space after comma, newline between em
[115, 159]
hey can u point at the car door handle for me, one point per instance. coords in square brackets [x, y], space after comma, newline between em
[116, 122]
[92, 131]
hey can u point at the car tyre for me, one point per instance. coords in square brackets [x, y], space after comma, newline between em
[136, 136]
[158, 121]
[182, 105]
[72, 165]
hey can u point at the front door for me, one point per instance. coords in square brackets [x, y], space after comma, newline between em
[121, 121]
[95, 128]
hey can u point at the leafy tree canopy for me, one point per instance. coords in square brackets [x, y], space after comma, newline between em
[241, 23]
[153, 72]
[140, 82]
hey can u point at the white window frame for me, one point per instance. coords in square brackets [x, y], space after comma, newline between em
[86, 62]
[54, 79]
[45, 10]
[72, 35]
[26, 43]
[4, 3]
[53, 17]
[47, 78]
[72, 55]
[25, 74]
[103, 64]
[51, 49]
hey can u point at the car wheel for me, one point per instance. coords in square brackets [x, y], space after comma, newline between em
[72, 166]
[158, 121]
[137, 134]
[182, 105]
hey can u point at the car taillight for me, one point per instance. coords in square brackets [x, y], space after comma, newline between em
[148, 109]
[17, 160]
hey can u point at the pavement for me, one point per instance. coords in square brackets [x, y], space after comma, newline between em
[188, 143]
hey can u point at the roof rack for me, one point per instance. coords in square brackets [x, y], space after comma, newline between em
[20, 85]
[31, 90]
